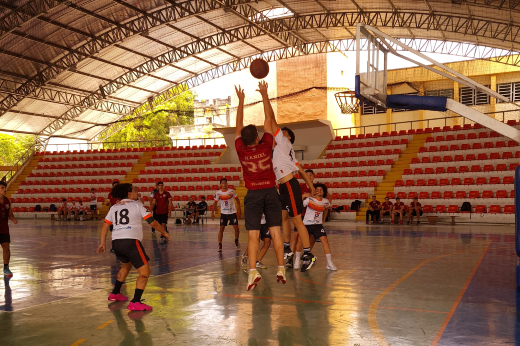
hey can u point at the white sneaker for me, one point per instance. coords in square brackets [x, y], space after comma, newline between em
[244, 260]
[81, 219]
[260, 265]
[331, 266]
[280, 275]
[253, 277]
[297, 264]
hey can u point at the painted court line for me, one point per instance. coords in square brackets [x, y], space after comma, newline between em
[457, 301]
[79, 342]
[105, 324]
[372, 312]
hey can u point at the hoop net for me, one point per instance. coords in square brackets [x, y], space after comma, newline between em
[347, 102]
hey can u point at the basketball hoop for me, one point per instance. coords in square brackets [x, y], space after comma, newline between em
[347, 102]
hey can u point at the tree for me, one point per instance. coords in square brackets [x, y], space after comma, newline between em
[155, 125]
[13, 147]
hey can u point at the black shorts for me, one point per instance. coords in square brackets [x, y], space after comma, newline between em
[93, 207]
[291, 197]
[130, 250]
[263, 201]
[5, 238]
[386, 212]
[201, 212]
[161, 218]
[228, 218]
[415, 214]
[316, 230]
[264, 232]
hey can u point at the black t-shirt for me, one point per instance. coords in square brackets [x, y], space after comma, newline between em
[192, 205]
[202, 206]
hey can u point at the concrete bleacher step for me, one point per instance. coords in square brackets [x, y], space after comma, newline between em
[396, 173]
[13, 187]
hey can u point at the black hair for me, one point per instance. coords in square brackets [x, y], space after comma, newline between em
[159, 183]
[223, 179]
[416, 197]
[324, 187]
[202, 197]
[249, 134]
[291, 134]
[115, 183]
[397, 198]
[309, 171]
[3, 183]
[64, 200]
[121, 190]
[93, 189]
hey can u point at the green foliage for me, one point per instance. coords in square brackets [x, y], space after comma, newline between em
[155, 125]
[13, 147]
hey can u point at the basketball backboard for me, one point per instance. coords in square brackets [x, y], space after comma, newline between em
[370, 76]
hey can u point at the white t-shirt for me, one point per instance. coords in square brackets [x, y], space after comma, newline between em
[78, 206]
[93, 198]
[227, 201]
[314, 211]
[70, 205]
[284, 159]
[126, 217]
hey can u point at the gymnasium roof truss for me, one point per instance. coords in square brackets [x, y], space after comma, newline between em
[68, 77]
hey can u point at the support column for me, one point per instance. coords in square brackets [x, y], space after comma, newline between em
[421, 112]
[356, 121]
[456, 121]
[493, 101]
[388, 113]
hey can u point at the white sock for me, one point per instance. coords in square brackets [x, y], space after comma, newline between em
[329, 259]
[252, 269]
[298, 256]
[280, 267]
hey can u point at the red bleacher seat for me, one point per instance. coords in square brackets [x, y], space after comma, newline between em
[495, 209]
[508, 180]
[460, 194]
[453, 209]
[487, 194]
[501, 194]
[480, 181]
[509, 209]
[428, 208]
[480, 209]
[468, 181]
[447, 194]
[390, 195]
[440, 209]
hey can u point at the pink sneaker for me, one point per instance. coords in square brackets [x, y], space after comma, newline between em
[138, 306]
[117, 297]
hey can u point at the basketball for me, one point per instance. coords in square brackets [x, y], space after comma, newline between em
[259, 68]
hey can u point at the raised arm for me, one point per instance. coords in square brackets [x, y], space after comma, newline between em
[240, 112]
[270, 124]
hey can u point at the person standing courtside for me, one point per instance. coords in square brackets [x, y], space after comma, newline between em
[6, 214]
[153, 208]
[163, 201]
[229, 213]
[255, 157]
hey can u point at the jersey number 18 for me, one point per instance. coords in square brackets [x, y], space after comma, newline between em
[123, 217]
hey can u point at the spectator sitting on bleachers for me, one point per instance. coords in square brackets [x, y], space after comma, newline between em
[93, 203]
[191, 205]
[201, 209]
[386, 209]
[398, 209]
[415, 210]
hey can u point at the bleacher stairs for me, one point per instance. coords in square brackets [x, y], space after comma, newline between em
[396, 173]
[13, 187]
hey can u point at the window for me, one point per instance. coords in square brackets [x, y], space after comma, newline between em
[367, 109]
[444, 93]
[509, 90]
[473, 97]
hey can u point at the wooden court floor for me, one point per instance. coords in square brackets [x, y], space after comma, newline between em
[395, 285]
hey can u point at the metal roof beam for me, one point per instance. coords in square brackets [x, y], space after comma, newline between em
[115, 35]
[25, 13]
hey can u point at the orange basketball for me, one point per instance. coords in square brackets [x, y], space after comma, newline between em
[259, 68]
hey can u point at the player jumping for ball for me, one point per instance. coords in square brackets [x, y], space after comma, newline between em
[125, 217]
[285, 163]
[259, 178]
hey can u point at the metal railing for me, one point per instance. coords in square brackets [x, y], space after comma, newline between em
[423, 123]
[22, 161]
[136, 144]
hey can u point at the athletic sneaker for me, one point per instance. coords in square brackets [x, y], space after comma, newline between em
[289, 263]
[407, 222]
[331, 266]
[163, 240]
[244, 259]
[308, 261]
[117, 297]
[253, 277]
[401, 222]
[220, 248]
[280, 275]
[7, 272]
[260, 265]
[237, 244]
[138, 306]
[112, 251]
[297, 264]
[418, 222]
[392, 221]
[287, 252]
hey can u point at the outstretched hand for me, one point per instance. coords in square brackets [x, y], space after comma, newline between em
[101, 248]
[262, 88]
[240, 93]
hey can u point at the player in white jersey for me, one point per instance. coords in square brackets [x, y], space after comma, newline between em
[284, 165]
[266, 237]
[93, 203]
[125, 217]
[229, 213]
[313, 221]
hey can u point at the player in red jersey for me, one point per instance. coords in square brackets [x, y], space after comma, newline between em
[255, 156]
[6, 213]
[162, 204]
